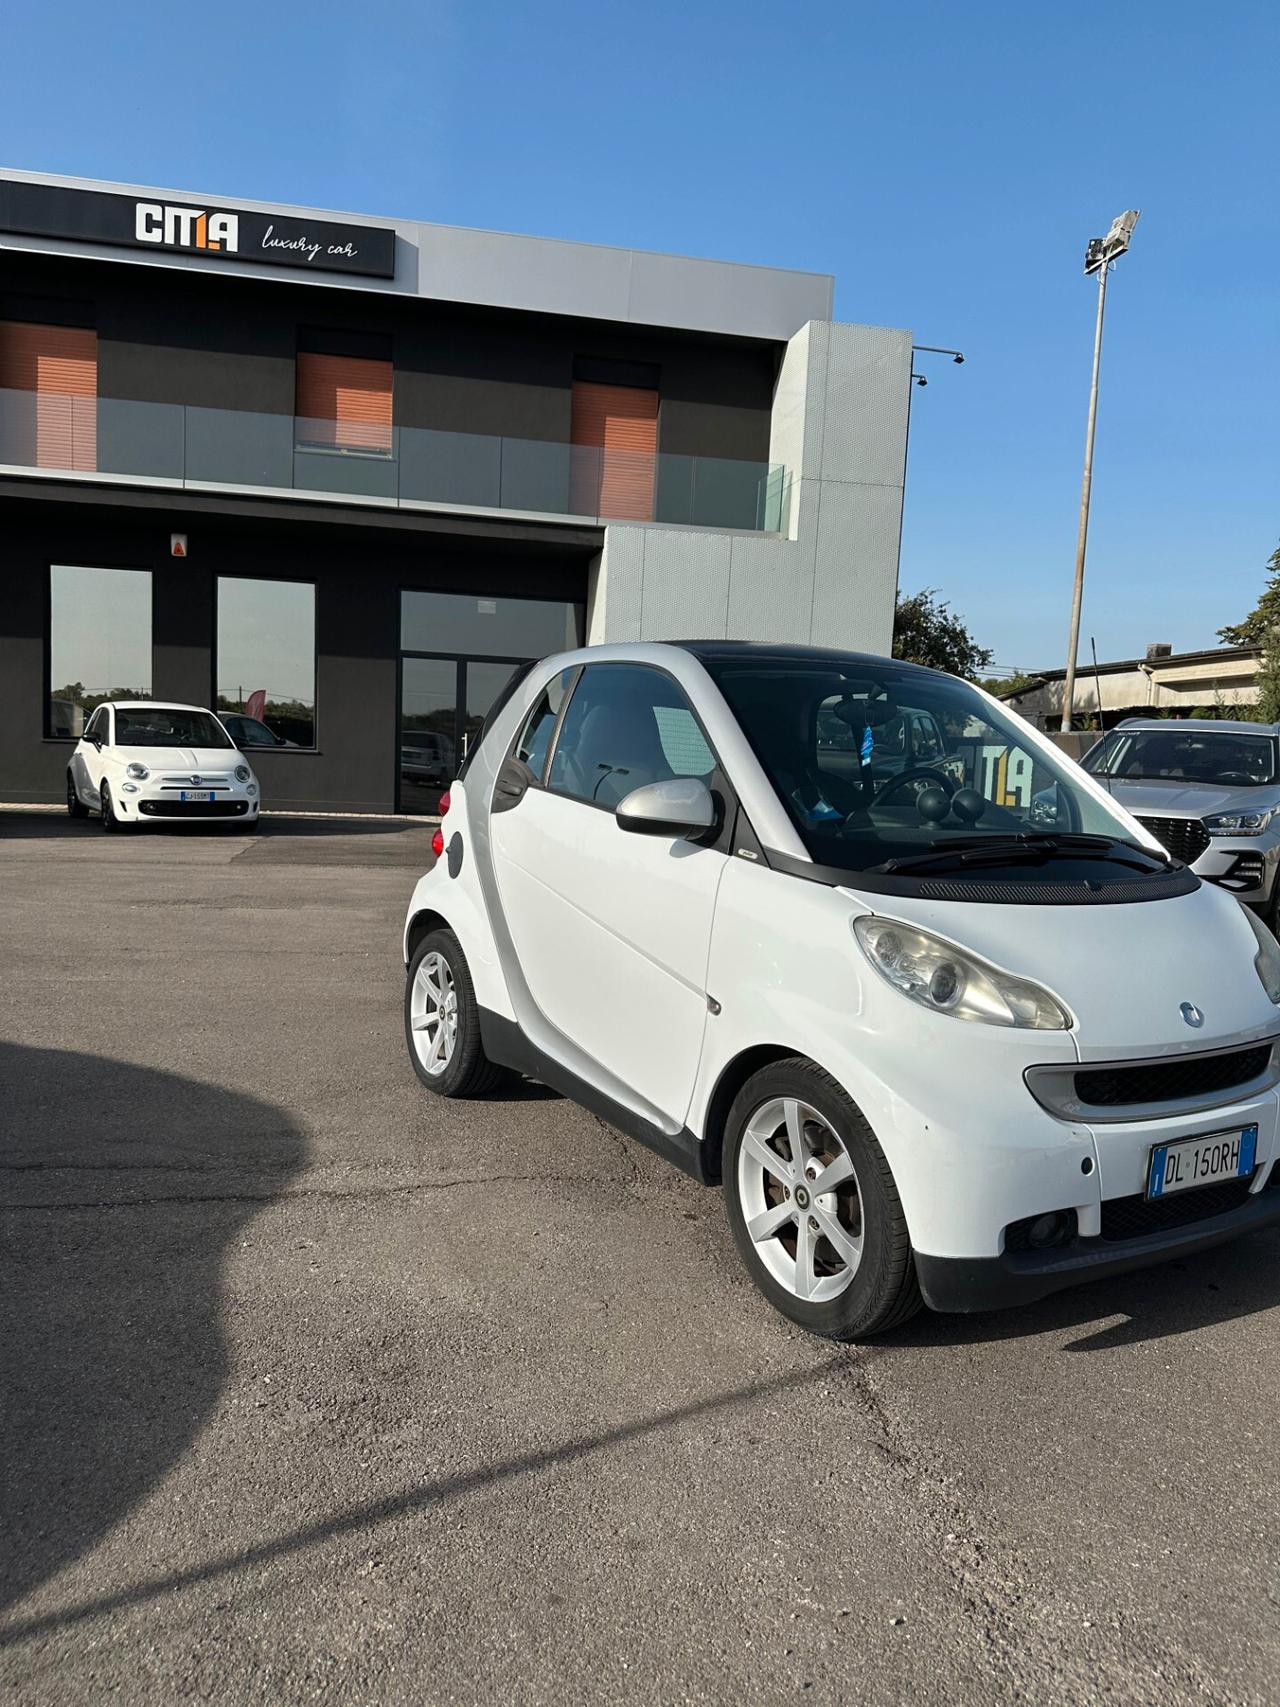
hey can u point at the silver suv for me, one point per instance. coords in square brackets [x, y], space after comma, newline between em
[1209, 791]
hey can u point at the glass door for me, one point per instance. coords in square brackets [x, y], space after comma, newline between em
[429, 701]
[443, 702]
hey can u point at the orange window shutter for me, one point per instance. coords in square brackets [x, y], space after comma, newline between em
[615, 428]
[58, 426]
[344, 402]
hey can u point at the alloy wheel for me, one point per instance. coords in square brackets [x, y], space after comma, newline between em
[433, 1014]
[800, 1198]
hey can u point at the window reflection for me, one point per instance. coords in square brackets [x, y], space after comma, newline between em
[99, 641]
[266, 658]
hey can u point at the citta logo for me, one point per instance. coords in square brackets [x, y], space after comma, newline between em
[186, 227]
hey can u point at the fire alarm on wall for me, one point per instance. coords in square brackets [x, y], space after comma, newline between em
[177, 545]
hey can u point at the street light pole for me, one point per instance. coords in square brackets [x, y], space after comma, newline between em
[1099, 256]
[1077, 594]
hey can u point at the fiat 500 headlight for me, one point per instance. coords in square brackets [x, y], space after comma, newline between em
[1266, 962]
[950, 980]
[243, 773]
[1239, 823]
[138, 772]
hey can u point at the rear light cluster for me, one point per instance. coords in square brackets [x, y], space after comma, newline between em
[437, 840]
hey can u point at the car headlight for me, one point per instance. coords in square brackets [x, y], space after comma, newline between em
[140, 773]
[1266, 962]
[243, 773]
[1239, 823]
[950, 980]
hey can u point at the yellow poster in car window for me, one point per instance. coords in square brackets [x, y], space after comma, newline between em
[1006, 775]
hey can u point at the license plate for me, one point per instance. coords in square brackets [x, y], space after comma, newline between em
[1201, 1161]
[197, 794]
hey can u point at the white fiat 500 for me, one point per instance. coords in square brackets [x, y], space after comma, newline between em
[139, 762]
[958, 1029]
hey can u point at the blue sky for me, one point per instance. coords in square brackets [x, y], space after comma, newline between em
[946, 161]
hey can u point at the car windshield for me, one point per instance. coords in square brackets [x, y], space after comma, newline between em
[1221, 757]
[168, 726]
[882, 765]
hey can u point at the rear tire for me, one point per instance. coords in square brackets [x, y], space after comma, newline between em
[442, 1021]
[838, 1260]
[76, 807]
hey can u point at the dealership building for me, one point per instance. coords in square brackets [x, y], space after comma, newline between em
[335, 475]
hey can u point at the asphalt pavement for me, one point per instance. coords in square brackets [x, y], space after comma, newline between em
[319, 1389]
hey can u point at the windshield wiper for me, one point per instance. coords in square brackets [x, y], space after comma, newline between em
[1013, 848]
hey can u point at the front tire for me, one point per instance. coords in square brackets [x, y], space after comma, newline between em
[442, 1021]
[76, 807]
[813, 1207]
[106, 810]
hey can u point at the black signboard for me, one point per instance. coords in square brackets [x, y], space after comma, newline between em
[217, 233]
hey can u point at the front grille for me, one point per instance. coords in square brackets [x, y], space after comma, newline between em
[1171, 1080]
[1185, 838]
[1135, 1217]
[193, 808]
[183, 779]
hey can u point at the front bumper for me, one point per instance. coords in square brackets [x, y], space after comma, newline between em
[969, 1284]
[152, 805]
[1244, 865]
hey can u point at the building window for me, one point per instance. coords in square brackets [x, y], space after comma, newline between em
[472, 626]
[614, 429]
[99, 641]
[48, 395]
[344, 403]
[266, 657]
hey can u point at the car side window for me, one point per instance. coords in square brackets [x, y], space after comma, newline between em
[535, 738]
[627, 725]
[97, 730]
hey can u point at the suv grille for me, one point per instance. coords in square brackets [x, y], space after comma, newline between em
[1135, 1217]
[1170, 1081]
[1185, 838]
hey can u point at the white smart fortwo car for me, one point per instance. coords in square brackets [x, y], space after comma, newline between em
[141, 762]
[958, 1029]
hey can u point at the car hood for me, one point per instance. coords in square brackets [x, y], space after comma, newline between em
[1124, 969]
[1176, 798]
[206, 760]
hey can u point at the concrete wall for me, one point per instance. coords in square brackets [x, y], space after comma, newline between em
[839, 426]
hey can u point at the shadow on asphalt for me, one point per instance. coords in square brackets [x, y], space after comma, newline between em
[58, 827]
[122, 1190]
[1222, 1285]
[424, 1498]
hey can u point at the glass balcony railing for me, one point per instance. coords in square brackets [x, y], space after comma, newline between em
[409, 466]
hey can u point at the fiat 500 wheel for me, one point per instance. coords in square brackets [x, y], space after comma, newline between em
[106, 810]
[813, 1207]
[442, 1021]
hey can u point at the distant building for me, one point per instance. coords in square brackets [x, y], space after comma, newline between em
[1215, 681]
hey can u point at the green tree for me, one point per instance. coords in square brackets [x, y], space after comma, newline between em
[1017, 683]
[1262, 628]
[1263, 621]
[927, 631]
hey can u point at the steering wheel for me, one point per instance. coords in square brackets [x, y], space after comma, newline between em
[938, 779]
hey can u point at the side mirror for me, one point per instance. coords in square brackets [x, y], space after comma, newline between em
[681, 806]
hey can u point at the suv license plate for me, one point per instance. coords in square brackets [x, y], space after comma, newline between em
[202, 794]
[1201, 1161]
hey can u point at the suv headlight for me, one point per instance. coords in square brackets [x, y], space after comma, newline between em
[138, 772]
[243, 773]
[950, 980]
[1239, 823]
[1266, 962]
